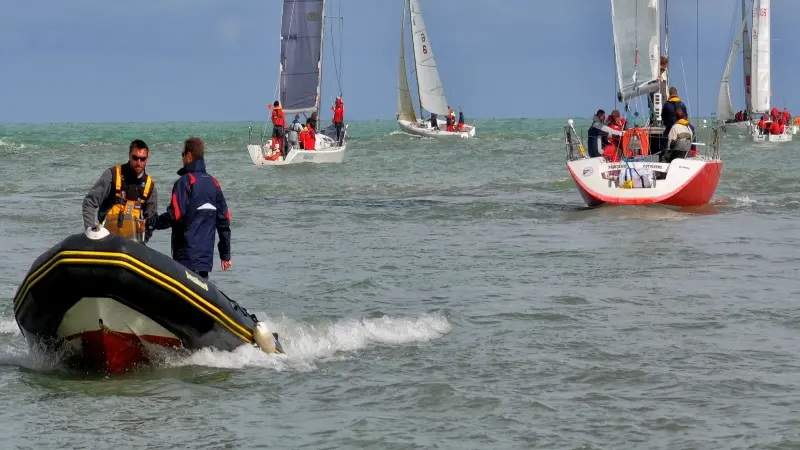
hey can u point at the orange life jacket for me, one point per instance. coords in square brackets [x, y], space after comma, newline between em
[278, 118]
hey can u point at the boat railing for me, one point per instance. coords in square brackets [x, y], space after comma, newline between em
[573, 143]
[706, 141]
[250, 136]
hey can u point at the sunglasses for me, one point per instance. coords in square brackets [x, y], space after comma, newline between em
[139, 158]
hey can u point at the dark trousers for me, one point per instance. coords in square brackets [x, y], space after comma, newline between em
[339, 134]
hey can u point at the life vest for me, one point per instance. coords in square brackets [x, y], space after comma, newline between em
[311, 140]
[615, 139]
[126, 215]
[278, 118]
[635, 142]
[338, 112]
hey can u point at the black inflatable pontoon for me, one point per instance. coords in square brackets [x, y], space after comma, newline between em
[106, 298]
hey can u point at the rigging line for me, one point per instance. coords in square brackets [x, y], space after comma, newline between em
[341, 47]
[289, 32]
[333, 51]
[686, 87]
[280, 72]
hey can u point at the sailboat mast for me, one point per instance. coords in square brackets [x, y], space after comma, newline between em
[666, 38]
[321, 57]
[414, 51]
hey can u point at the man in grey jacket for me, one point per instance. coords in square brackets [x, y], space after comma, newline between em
[119, 187]
[293, 136]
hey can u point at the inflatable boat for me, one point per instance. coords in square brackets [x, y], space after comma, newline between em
[110, 303]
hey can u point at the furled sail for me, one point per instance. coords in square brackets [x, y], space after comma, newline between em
[747, 58]
[760, 83]
[405, 109]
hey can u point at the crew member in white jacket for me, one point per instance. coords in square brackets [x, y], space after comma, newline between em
[680, 138]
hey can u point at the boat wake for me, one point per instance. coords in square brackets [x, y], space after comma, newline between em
[306, 342]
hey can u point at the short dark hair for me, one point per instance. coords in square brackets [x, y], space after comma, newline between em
[194, 146]
[276, 103]
[137, 144]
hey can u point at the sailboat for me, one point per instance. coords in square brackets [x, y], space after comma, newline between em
[725, 114]
[300, 86]
[760, 89]
[429, 85]
[635, 175]
[757, 88]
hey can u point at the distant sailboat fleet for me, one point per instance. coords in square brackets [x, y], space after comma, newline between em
[631, 156]
[763, 121]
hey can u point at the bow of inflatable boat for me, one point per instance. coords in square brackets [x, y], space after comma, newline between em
[113, 303]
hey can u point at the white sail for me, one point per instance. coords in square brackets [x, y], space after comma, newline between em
[747, 58]
[636, 45]
[405, 110]
[724, 104]
[431, 91]
[760, 82]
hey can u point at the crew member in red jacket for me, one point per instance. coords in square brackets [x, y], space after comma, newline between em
[278, 126]
[615, 122]
[338, 118]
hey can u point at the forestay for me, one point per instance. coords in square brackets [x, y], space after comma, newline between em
[724, 103]
[405, 110]
[760, 91]
[301, 55]
[431, 91]
[636, 44]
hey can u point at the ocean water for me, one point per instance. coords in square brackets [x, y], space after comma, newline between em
[433, 294]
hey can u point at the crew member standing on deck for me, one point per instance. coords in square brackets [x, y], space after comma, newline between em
[338, 118]
[278, 126]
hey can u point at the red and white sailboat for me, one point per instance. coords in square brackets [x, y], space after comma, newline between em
[639, 176]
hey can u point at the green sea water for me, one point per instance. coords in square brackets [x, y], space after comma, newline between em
[432, 294]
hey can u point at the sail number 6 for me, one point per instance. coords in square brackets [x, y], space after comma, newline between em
[424, 49]
[764, 12]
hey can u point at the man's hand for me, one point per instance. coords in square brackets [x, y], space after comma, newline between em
[225, 264]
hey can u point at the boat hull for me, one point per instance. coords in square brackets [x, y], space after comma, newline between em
[112, 304]
[688, 182]
[784, 137]
[423, 128]
[327, 151]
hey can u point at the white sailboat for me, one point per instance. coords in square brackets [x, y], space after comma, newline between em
[756, 61]
[725, 114]
[634, 171]
[429, 85]
[300, 86]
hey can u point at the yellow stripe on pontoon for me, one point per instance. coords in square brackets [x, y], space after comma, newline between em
[142, 269]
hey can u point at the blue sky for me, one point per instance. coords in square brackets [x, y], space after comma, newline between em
[203, 60]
